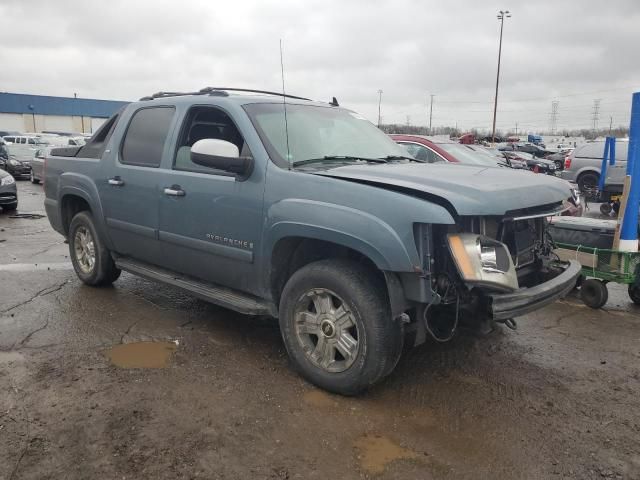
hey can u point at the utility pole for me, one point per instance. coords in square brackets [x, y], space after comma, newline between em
[554, 116]
[379, 105]
[516, 129]
[595, 116]
[430, 113]
[610, 124]
[501, 16]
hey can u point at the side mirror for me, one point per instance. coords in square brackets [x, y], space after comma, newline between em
[221, 155]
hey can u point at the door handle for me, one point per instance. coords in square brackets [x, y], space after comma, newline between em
[174, 191]
[116, 181]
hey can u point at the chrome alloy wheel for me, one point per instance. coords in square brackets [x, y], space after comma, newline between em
[85, 250]
[326, 330]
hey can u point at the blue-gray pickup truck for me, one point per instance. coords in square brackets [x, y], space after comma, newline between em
[281, 206]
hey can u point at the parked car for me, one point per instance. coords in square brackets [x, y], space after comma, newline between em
[534, 164]
[4, 133]
[15, 165]
[8, 192]
[323, 222]
[494, 153]
[558, 159]
[37, 164]
[583, 167]
[432, 150]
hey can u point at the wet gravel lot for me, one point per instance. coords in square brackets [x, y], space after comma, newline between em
[141, 381]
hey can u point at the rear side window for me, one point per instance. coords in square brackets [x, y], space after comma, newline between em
[144, 141]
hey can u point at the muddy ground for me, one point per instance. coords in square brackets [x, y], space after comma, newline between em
[559, 398]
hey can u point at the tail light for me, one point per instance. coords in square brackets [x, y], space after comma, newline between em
[567, 162]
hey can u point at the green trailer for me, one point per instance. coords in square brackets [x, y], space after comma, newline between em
[601, 266]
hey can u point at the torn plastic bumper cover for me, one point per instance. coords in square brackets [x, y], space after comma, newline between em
[524, 300]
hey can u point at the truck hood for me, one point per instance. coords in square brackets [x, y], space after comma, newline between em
[470, 190]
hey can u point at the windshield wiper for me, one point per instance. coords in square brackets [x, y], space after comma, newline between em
[401, 157]
[337, 158]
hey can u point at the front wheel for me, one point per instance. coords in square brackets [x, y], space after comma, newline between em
[90, 258]
[634, 293]
[337, 327]
[594, 293]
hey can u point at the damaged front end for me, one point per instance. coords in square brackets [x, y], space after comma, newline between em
[488, 269]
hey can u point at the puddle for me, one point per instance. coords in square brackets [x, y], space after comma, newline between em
[377, 451]
[320, 399]
[141, 354]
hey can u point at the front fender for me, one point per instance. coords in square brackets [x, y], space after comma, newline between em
[345, 226]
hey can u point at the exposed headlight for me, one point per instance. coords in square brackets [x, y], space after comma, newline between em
[483, 261]
[8, 180]
[14, 162]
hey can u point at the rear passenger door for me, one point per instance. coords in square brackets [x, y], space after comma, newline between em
[129, 183]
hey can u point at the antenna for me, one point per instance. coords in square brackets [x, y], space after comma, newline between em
[284, 103]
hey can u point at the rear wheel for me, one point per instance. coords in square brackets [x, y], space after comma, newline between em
[588, 184]
[90, 258]
[634, 293]
[337, 327]
[594, 293]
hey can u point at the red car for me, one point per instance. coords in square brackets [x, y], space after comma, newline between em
[430, 151]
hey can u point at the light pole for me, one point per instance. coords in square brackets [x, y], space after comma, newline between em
[379, 104]
[501, 16]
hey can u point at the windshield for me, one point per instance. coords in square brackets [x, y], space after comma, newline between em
[465, 155]
[317, 132]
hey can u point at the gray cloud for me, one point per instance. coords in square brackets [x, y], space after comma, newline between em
[570, 51]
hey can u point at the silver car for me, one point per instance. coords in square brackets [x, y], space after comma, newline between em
[37, 164]
[582, 166]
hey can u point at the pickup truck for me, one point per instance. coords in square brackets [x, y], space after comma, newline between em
[304, 211]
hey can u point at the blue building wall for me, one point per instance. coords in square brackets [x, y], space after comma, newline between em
[68, 106]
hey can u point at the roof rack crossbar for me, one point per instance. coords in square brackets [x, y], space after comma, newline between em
[250, 90]
[212, 90]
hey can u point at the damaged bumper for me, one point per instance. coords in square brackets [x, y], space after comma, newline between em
[525, 300]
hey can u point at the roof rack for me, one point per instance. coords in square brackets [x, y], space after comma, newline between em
[218, 91]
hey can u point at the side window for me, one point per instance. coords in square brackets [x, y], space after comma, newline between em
[206, 122]
[10, 139]
[31, 141]
[422, 153]
[144, 140]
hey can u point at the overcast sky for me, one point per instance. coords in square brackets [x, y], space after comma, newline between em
[570, 51]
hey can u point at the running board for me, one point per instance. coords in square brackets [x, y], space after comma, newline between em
[225, 297]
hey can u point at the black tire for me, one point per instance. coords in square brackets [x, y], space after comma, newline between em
[594, 293]
[580, 280]
[103, 270]
[605, 208]
[588, 184]
[363, 295]
[33, 179]
[10, 207]
[634, 293]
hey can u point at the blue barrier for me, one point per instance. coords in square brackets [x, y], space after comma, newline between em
[609, 154]
[629, 229]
